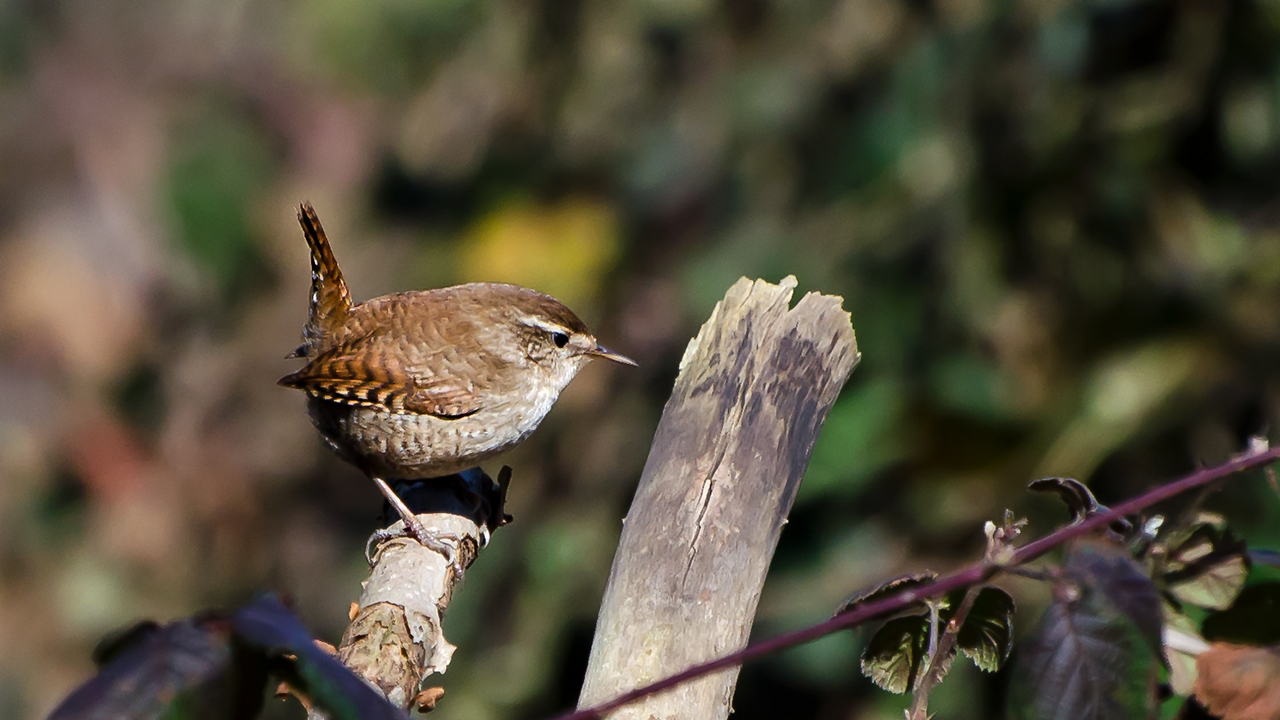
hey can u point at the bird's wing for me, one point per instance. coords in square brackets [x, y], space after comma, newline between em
[371, 371]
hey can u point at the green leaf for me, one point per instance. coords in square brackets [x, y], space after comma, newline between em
[1207, 569]
[896, 653]
[986, 637]
[1254, 618]
[862, 435]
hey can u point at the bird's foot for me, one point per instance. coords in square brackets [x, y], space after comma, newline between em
[442, 543]
[445, 544]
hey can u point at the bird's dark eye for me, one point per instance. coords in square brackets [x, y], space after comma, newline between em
[560, 339]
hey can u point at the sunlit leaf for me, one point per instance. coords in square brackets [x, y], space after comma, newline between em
[1253, 619]
[986, 637]
[1237, 682]
[269, 626]
[1182, 642]
[1123, 393]
[1207, 569]
[190, 669]
[1151, 528]
[1175, 534]
[896, 653]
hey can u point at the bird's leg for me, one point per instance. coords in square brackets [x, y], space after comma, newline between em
[414, 528]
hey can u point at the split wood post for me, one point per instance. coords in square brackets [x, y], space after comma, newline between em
[754, 388]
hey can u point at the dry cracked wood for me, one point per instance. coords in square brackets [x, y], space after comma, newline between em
[754, 388]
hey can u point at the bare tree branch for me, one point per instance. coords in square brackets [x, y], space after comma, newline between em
[395, 641]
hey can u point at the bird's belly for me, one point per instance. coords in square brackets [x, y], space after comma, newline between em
[409, 445]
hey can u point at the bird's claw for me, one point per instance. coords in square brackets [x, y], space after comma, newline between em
[435, 542]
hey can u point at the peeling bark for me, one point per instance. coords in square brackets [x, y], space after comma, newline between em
[395, 640]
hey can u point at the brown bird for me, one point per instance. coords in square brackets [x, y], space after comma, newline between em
[423, 384]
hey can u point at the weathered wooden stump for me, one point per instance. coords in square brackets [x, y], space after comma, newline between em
[754, 388]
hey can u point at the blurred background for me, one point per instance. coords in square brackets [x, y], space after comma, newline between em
[1056, 225]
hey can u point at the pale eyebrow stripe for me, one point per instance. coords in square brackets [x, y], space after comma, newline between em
[533, 321]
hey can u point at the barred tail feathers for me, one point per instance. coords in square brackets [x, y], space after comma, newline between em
[330, 299]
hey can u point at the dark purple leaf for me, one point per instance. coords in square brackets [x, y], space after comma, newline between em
[1086, 660]
[1075, 494]
[267, 624]
[1081, 502]
[120, 640]
[889, 589]
[1110, 571]
[191, 669]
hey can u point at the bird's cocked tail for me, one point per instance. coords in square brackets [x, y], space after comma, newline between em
[330, 300]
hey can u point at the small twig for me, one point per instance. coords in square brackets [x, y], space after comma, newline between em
[934, 673]
[973, 574]
[1183, 642]
[933, 632]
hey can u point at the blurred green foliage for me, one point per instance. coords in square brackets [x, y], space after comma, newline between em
[219, 166]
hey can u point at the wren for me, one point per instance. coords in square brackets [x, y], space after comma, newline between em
[423, 384]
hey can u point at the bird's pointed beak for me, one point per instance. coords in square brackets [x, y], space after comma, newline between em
[604, 352]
